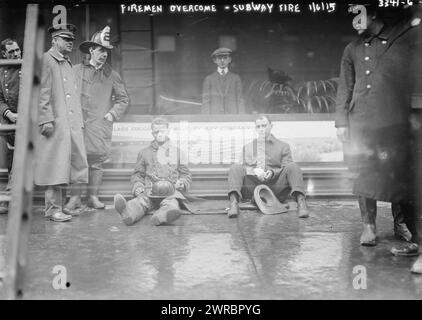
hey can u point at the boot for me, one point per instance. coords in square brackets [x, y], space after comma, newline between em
[302, 207]
[95, 179]
[130, 212]
[167, 213]
[400, 229]
[74, 202]
[234, 205]
[368, 210]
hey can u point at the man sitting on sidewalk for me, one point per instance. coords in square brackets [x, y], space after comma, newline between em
[268, 161]
[159, 169]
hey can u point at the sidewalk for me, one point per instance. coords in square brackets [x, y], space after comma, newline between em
[209, 256]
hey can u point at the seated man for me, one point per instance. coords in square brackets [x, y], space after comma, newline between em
[158, 169]
[268, 161]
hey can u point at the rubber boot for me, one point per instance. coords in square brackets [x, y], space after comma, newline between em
[302, 207]
[234, 205]
[168, 212]
[95, 180]
[74, 203]
[131, 211]
[400, 228]
[368, 210]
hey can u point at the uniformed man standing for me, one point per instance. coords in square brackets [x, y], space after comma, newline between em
[373, 107]
[60, 156]
[9, 95]
[104, 99]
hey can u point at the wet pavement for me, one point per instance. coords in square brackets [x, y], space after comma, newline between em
[208, 256]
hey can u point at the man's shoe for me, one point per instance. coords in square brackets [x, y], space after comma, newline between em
[400, 228]
[4, 207]
[95, 203]
[120, 204]
[234, 210]
[72, 205]
[368, 237]
[165, 216]
[302, 207]
[407, 250]
[60, 217]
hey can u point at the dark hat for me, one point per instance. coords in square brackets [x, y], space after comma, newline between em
[100, 38]
[161, 189]
[221, 52]
[63, 30]
[266, 201]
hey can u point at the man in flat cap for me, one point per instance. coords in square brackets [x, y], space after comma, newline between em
[268, 161]
[60, 156]
[104, 99]
[222, 90]
[9, 95]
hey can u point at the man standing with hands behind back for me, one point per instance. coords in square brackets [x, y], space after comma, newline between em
[60, 156]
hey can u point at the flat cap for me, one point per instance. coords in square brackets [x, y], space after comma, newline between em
[63, 30]
[221, 52]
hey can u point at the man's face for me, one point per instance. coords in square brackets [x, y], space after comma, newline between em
[222, 61]
[63, 44]
[263, 127]
[160, 132]
[12, 51]
[98, 55]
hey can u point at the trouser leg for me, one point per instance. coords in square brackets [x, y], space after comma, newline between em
[168, 212]
[95, 180]
[368, 209]
[53, 199]
[132, 211]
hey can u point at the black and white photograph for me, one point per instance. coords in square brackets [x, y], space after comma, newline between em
[235, 151]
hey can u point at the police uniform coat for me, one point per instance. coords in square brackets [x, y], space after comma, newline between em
[222, 94]
[373, 102]
[102, 92]
[9, 95]
[60, 158]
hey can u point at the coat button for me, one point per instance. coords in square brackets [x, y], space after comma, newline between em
[367, 58]
[368, 72]
[368, 86]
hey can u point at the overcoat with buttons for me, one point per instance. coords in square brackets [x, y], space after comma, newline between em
[9, 95]
[373, 102]
[60, 158]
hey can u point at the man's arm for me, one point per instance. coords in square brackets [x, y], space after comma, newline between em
[121, 97]
[206, 96]
[345, 88]
[185, 176]
[286, 158]
[3, 104]
[45, 109]
[239, 95]
[138, 177]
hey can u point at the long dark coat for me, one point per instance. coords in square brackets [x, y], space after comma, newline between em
[373, 101]
[60, 158]
[102, 92]
[222, 94]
